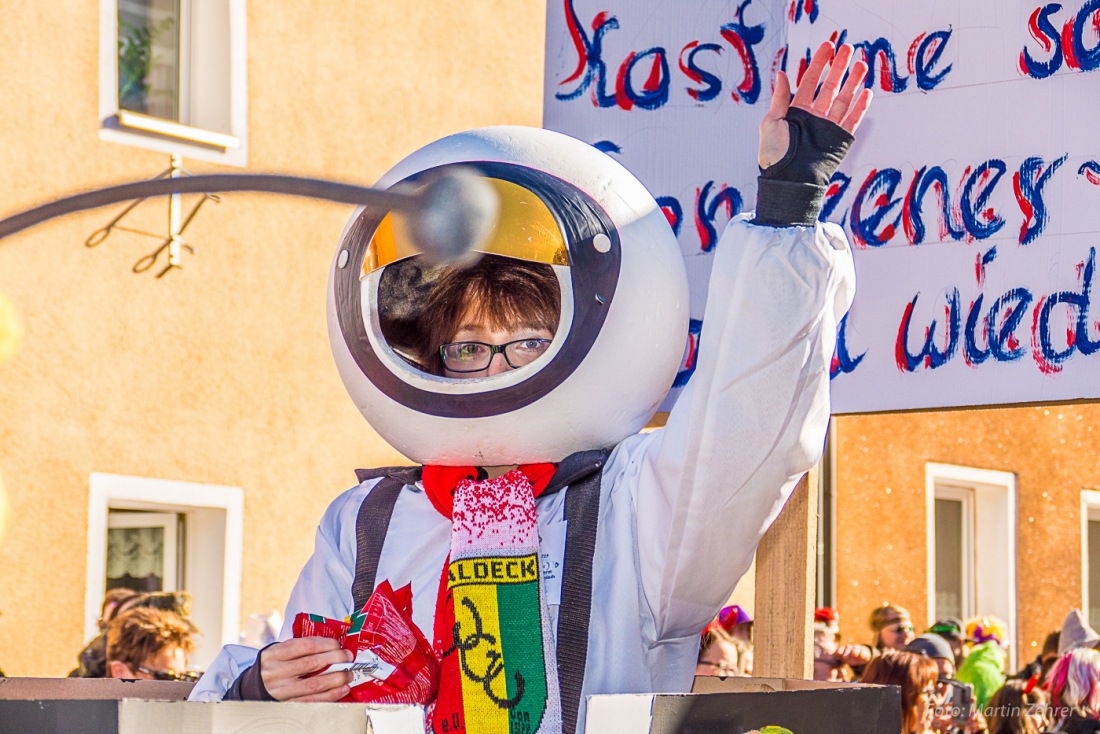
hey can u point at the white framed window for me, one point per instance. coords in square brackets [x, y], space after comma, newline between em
[173, 77]
[176, 535]
[971, 522]
[1090, 554]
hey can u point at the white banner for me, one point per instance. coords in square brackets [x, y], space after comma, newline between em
[971, 196]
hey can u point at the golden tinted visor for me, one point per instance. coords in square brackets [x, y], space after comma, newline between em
[525, 230]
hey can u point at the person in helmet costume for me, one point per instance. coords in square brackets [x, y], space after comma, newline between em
[623, 523]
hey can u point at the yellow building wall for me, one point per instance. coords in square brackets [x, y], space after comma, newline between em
[219, 373]
[881, 547]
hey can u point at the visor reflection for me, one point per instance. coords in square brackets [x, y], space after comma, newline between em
[525, 230]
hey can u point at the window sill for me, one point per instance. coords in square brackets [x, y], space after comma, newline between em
[136, 122]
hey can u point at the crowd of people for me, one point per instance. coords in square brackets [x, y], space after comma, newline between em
[145, 636]
[953, 677]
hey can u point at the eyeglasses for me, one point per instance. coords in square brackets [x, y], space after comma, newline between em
[185, 675]
[476, 356]
[901, 629]
[724, 670]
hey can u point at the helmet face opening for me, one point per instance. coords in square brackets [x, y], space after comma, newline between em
[554, 242]
[423, 309]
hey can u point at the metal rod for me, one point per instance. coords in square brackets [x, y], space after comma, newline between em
[175, 214]
[211, 183]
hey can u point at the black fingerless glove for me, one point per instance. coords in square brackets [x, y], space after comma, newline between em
[249, 685]
[790, 193]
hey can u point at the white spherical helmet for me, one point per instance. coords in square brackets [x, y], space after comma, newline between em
[623, 318]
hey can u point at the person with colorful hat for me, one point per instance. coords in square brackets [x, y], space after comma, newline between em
[726, 644]
[833, 661]
[984, 667]
[951, 629]
[553, 551]
[735, 621]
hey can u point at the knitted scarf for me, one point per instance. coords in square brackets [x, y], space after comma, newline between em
[492, 632]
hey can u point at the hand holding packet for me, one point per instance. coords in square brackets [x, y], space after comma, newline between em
[393, 663]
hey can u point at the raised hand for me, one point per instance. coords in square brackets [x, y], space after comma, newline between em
[844, 105]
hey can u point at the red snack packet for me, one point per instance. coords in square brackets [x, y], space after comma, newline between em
[393, 661]
[314, 625]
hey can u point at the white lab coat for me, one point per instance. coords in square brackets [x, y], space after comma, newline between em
[682, 508]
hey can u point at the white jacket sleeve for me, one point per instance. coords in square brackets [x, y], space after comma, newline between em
[751, 421]
[323, 587]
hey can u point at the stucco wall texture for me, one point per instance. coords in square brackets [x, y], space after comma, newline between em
[1053, 450]
[220, 373]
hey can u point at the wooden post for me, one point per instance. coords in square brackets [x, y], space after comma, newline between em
[786, 568]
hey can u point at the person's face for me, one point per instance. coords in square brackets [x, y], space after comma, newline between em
[945, 672]
[946, 667]
[1038, 713]
[925, 704]
[170, 660]
[720, 658]
[897, 633]
[477, 331]
[958, 649]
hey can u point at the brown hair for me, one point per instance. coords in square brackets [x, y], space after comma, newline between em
[1049, 655]
[503, 293]
[139, 634]
[884, 616]
[1007, 710]
[914, 673]
[170, 601]
[112, 603]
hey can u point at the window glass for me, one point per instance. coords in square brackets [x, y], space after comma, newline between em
[142, 550]
[149, 57]
[949, 558]
[1094, 573]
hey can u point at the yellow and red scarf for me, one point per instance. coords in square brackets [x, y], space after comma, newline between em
[492, 632]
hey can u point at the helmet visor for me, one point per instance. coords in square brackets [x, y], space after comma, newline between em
[525, 230]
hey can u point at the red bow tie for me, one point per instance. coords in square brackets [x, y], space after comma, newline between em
[440, 482]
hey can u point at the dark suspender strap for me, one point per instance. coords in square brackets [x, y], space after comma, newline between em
[582, 472]
[582, 513]
[371, 527]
